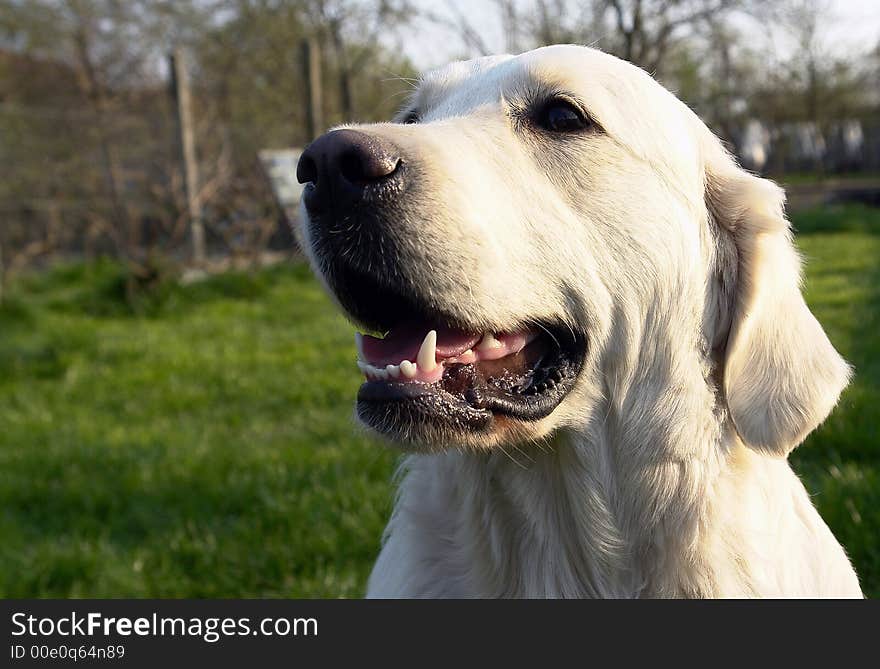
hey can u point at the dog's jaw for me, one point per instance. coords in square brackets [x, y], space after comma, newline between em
[464, 390]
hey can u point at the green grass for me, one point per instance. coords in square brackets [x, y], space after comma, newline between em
[203, 446]
[205, 451]
[810, 178]
[840, 462]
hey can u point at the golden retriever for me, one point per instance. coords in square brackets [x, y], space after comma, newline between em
[588, 334]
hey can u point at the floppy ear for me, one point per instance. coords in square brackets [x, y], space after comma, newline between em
[782, 376]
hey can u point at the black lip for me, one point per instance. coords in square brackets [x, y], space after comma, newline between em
[402, 406]
[407, 409]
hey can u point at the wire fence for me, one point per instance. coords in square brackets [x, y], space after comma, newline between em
[88, 182]
[85, 182]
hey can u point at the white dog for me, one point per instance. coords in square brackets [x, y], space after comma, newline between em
[595, 346]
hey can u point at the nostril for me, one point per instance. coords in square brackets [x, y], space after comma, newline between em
[352, 168]
[363, 164]
[306, 170]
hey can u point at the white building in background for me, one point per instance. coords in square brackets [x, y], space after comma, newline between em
[803, 146]
[755, 145]
[853, 138]
[807, 141]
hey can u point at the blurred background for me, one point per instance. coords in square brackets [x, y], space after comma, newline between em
[175, 389]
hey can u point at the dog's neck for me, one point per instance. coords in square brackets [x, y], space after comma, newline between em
[616, 507]
[603, 514]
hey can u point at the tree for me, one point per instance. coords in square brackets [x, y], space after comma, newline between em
[643, 32]
[351, 31]
[90, 154]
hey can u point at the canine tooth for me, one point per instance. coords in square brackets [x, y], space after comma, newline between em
[426, 359]
[363, 366]
[407, 369]
[393, 371]
[488, 342]
[359, 345]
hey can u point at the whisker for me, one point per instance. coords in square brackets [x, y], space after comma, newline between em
[525, 455]
[512, 459]
[550, 334]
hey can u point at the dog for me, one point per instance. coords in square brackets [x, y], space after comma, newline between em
[587, 335]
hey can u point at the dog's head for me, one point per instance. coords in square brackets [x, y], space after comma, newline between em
[541, 235]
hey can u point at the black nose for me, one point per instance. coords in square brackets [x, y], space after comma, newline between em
[340, 166]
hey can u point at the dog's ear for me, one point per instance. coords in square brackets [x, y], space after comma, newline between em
[782, 376]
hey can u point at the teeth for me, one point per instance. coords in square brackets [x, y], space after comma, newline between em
[465, 358]
[408, 369]
[488, 343]
[426, 359]
[376, 373]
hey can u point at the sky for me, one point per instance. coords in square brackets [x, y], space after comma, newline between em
[854, 28]
[858, 22]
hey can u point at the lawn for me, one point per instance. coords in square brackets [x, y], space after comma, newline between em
[203, 445]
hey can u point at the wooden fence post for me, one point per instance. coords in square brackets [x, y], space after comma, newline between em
[311, 63]
[183, 97]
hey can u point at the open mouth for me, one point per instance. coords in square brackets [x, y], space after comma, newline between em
[426, 371]
[433, 375]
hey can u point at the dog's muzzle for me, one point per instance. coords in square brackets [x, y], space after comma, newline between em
[434, 371]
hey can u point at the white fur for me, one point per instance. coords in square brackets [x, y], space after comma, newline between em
[663, 473]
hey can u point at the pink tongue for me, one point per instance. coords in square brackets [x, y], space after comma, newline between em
[403, 343]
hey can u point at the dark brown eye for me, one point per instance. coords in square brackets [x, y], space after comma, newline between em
[562, 116]
[411, 117]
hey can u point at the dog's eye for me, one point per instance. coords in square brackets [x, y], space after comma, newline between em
[411, 117]
[562, 116]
